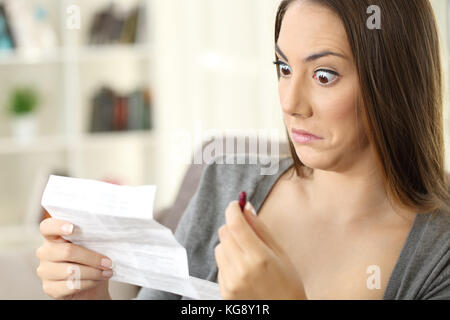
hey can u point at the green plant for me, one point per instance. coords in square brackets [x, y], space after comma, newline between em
[23, 101]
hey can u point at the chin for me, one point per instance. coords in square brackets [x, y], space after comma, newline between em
[315, 159]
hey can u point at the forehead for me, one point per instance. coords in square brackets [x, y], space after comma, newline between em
[308, 27]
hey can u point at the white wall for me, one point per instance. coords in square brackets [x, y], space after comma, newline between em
[214, 66]
[442, 10]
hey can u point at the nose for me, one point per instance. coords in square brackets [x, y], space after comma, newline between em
[294, 98]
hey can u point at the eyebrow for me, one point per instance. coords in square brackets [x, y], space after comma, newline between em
[312, 57]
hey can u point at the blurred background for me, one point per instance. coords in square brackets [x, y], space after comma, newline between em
[98, 89]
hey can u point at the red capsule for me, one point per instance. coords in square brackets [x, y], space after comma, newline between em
[242, 200]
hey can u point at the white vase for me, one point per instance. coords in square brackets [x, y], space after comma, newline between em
[24, 128]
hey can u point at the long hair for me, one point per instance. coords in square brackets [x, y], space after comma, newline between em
[401, 98]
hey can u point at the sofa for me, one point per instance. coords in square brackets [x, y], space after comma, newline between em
[18, 262]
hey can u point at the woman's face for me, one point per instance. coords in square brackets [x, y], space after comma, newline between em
[319, 90]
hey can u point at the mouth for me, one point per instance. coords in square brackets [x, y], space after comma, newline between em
[303, 137]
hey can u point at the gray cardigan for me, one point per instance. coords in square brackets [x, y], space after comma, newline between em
[421, 272]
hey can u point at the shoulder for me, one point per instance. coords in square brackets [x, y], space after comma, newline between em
[437, 230]
[423, 269]
[226, 175]
[433, 255]
[246, 166]
[433, 241]
[223, 179]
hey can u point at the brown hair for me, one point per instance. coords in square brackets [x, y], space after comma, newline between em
[399, 69]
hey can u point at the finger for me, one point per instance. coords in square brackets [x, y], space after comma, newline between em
[69, 252]
[61, 289]
[224, 274]
[57, 271]
[59, 239]
[223, 263]
[53, 229]
[222, 287]
[231, 249]
[244, 235]
[260, 228]
[220, 258]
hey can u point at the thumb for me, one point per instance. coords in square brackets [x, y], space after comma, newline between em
[259, 227]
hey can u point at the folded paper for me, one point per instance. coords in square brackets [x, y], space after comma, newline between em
[117, 221]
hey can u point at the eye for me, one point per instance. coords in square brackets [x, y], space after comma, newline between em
[283, 68]
[325, 77]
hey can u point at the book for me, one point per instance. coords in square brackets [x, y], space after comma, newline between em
[6, 37]
[120, 114]
[114, 112]
[110, 26]
[102, 110]
[130, 27]
[29, 26]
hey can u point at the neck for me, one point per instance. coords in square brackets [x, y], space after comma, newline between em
[351, 194]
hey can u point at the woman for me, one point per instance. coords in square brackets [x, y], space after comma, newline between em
[360, 210]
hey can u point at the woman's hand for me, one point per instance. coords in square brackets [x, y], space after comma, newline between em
[69, 271]
[251, 264]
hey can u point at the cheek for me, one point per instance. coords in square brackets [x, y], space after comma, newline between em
[339, 116]
[340, 111]
[281, 90]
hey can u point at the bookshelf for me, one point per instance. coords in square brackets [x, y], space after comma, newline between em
[66, 77]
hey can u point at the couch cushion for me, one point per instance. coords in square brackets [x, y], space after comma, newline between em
[191, 180]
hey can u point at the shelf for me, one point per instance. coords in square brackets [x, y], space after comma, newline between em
[106, 139]
[10, 146]
[82, 53]
[8, 58]
[95, 52]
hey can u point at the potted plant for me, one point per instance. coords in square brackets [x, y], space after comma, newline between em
[22, 107]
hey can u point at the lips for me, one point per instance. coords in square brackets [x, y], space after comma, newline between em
[304, 137]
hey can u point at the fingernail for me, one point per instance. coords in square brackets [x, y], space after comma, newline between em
[106, 263]
[107, 273]
[67, 228]
[250, 208]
